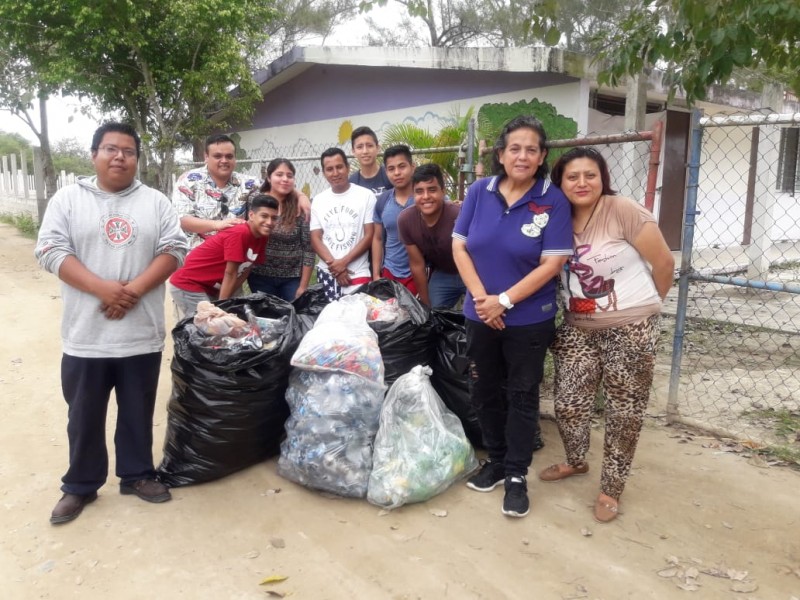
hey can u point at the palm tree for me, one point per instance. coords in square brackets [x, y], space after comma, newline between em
[452, 134]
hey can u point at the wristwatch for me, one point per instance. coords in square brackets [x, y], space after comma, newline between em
[505, 301]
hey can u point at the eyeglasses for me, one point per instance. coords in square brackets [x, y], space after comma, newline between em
[112, 151]
[223, 208]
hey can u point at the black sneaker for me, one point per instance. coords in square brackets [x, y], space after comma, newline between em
[489, 477]
[516, 503]
[538, 442]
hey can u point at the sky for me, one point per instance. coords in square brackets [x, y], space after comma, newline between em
[64, 119]
[64, 113]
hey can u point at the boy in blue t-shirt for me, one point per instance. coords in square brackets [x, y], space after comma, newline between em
[389, 255]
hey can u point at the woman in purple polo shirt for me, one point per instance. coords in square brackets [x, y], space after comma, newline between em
[510, 241]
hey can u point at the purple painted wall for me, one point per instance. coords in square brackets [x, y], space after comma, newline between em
[331, 92]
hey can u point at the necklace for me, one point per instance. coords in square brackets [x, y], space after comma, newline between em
[591, 214]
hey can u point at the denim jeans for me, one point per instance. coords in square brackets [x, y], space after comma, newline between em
[512, 358]
[445, 289]
[282, 287]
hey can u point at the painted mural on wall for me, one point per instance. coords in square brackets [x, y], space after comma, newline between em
[429, 130]
[492, 117]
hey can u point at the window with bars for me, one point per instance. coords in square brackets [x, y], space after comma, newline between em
[789, 161]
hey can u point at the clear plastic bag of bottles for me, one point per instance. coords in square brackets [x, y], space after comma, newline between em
[342, 341]
[420, 448]
[329, 435]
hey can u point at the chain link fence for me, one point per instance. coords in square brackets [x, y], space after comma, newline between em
[305, 157]
[737, 331]
[628, 155]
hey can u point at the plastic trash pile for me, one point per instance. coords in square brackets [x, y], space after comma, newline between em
[221, 329]
[420, 448]
[335, 396]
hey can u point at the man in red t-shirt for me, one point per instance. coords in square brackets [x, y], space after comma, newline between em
[216, 269]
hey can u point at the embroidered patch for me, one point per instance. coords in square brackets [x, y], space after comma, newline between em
[541, 220]
[535, 208]
[531, 230]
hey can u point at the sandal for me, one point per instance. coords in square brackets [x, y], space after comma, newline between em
[562, 471]
[605, 509]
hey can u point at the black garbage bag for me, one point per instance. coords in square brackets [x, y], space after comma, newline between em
[308, 306]
[403, 343]
[228, 406]
[448, 359]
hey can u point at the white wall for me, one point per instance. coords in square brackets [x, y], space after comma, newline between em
[722, 193]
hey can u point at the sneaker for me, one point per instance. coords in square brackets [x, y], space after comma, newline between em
[515, 502]
[489, 477]
[538, 442]
[148, 490]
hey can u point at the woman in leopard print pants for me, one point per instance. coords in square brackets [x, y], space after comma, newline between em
[613, 286]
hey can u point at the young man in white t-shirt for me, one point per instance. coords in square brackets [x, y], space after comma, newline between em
[341, 228]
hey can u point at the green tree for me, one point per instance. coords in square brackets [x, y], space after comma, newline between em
[578, 21]
[22, 87]
[452, 133]
[702, 42]
[176, 70]
[297, 20]
[452, 23]
[14, 143]
[70, 156]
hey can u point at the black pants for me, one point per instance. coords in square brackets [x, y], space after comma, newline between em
[87, 385]
[510, 359]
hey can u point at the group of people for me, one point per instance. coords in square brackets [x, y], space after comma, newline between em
[502, 251]
[354, 227]
[517, 234]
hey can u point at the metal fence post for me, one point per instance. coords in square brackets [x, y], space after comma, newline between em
[686, 265]
[469, 165]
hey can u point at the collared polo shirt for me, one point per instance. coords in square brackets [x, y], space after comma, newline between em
[507, 243]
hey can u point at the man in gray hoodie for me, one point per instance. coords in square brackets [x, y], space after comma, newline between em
[113, 242]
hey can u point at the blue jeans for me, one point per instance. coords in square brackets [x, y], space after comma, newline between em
[282, 287]
[445, 289]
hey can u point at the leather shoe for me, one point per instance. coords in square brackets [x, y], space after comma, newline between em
[562, 471]
[70, 506]
[148, 490]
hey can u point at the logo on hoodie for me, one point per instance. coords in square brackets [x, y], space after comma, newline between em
[119, 229]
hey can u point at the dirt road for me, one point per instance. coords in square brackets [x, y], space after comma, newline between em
[695, 522]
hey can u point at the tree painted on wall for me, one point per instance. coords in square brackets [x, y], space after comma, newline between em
[492, 118]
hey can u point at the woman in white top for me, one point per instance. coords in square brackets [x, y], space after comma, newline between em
[612, 287]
